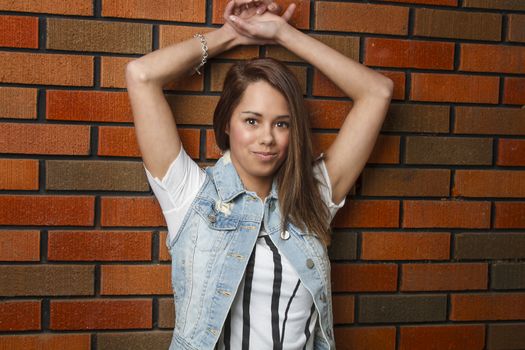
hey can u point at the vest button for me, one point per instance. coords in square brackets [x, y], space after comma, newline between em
[212, 218]
[309, 263]
[285, 234]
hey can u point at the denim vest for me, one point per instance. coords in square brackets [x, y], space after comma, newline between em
[211, 251]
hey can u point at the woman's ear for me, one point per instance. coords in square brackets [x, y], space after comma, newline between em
[227, 129]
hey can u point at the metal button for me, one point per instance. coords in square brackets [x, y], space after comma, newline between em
[212, 218]
[309, 263]
[285, 234]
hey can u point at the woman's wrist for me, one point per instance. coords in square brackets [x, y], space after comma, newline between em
[285, 34]
[229, 37]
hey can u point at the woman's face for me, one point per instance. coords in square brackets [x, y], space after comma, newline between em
[259, 134]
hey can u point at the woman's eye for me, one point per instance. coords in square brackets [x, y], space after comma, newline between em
[251, 121]
[283, 124]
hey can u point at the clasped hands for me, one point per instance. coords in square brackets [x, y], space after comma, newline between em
[256, 22]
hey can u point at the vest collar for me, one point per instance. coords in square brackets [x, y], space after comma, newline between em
[229, 184]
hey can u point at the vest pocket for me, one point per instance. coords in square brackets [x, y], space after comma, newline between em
[216, 222]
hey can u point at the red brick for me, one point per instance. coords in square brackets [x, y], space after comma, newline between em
[343, 308]
[18, 103]
[457, 24]
[449, 276]
[47, 210]
[186, 11]
[509, 215]
[328, 114]
[19, 245]
[135, 279]
[516, 28]
[514, 91]
[489, 120]
[494, 306]
[321, 142]
[427, 2]
[405, 246]
[18, 174]
[355, 17]
[46, 69]
[46, 341]
[19, 316]
[450, 337]
[386, 150]
[61, 7]
[489, 183]
[368, 213]
[492, 58]
[376, 337]
[364, 277]
[45, 139]
[300, 18]
[122, 141]
[511, 152]
[74, 34]
[131, 211]
[449, 213]
[101, 106]
[212, 150]
[405, 182]
[164, 254]
[454, 88]
[399, 80]
[100, 314]
[99, 245]
[496, 4]
[19, 31]
[409, 53]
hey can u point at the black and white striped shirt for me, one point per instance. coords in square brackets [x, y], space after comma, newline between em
[272, 309]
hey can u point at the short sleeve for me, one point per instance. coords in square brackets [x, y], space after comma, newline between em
[177, 189]
[180, 183]
[325, 186]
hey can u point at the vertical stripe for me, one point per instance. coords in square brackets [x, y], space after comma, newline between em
[227, 330]
[276, 293]
[307, 327]
[246, 302]
[287, 308]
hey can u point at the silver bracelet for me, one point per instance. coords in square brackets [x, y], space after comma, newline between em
[204, 51]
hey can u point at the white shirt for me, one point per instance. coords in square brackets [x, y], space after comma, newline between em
[271, 299]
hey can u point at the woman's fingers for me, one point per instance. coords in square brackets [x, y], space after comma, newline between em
[289, 12]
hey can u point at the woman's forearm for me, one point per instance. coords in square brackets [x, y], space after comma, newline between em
[354, 79]
[164, 65]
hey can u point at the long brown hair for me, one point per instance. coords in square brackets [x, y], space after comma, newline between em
[299, 197]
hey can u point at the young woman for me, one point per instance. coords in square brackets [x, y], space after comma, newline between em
[248, 236]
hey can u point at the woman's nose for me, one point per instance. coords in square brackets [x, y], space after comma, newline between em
[266, 136]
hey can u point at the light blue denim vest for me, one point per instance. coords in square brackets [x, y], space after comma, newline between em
[211, 251]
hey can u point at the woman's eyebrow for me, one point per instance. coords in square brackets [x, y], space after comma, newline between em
[260, 115]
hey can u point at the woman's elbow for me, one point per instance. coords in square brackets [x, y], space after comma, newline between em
[386, 88]
[134, 73]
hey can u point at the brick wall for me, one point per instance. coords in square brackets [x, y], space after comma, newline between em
[428, 253]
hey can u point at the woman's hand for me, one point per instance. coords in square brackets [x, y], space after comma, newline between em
[253, 24]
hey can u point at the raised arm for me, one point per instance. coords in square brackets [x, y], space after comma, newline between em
[370, 92]
[155, 125]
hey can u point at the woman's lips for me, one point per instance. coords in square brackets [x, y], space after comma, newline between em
[265, 155]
